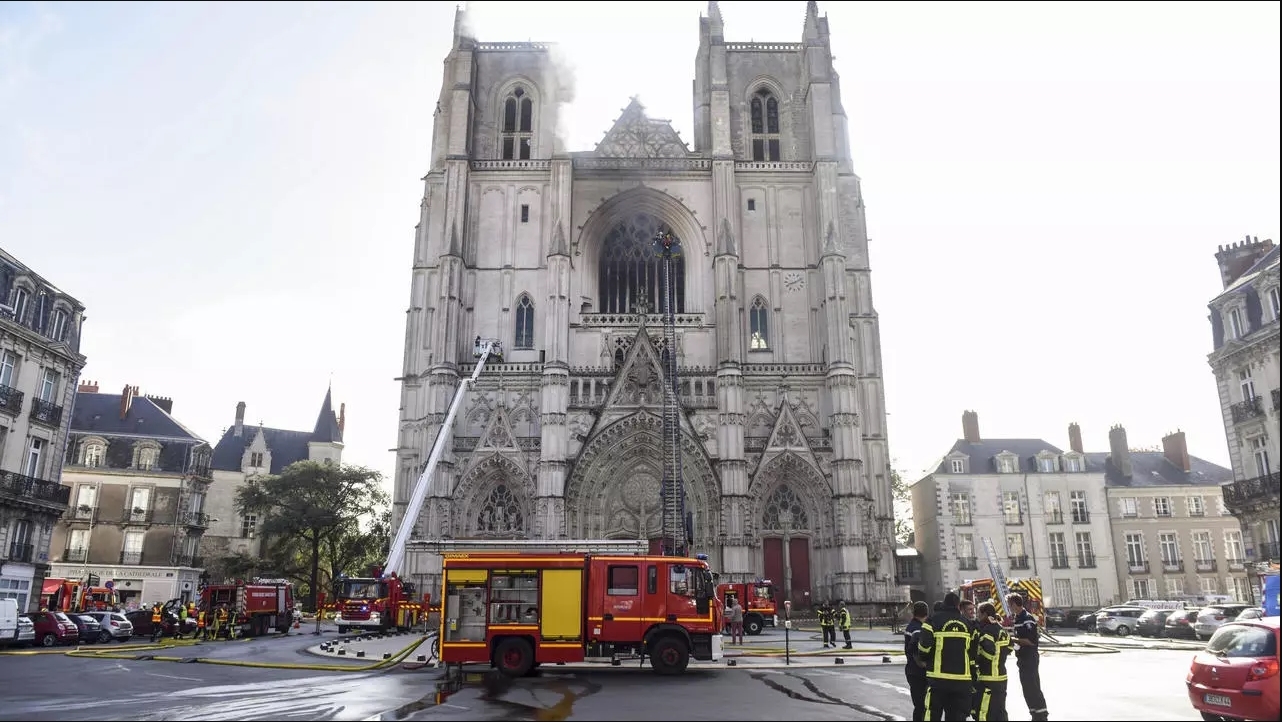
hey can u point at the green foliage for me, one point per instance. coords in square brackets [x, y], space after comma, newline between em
[903, 508]
[318, 521]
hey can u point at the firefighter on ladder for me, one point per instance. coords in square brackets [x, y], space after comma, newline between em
[992, 648]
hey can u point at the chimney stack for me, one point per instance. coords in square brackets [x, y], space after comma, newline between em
[127, 400]
[240, 419]
[970, 426]
[342, 417]
[1176, 450]
[88, 387]
[165, 403]
[1119, 453]
[1075, 437]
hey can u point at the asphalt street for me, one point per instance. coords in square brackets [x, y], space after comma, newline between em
[1099, 685]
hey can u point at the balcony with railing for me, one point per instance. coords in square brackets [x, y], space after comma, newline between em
[1059, 561]
[1137, 567]
[1258, 494]
[131, 557]
[1055, 516]
[1081, 516]
[75, 554]
[1266, 551]
[967, 563]
[1014, 519]
[136, 515]
[961, 520]
[194, 518]
[1247, 409]
[1236, 563]
[10, 400]
[45, 413]
[29, 487]
[1020, 562]
[1172, 565]
[1204, 565]
[84, 512]
[1086, 560]
[188, 560]
[21, 552]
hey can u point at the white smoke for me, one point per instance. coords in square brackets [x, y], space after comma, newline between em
[562, 75]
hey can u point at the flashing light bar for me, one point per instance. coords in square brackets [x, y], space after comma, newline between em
[575, 546]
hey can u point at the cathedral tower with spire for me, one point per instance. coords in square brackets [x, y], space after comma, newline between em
[783, 422]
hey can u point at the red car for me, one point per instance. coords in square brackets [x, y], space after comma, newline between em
[1236, 676]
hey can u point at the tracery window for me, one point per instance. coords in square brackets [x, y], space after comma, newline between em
[765, 126]
[631, 268]
[524, 322]
[758, 328]
[518, 124]
[501, 513]
[784, 499]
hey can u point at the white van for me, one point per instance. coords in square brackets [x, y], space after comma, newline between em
[8, 621]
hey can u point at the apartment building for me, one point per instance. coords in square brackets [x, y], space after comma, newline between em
[1175, 538]
[40, 364]
[137, 480]
[1042, 509]
[1245, 332]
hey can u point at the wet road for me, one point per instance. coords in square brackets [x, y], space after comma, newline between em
[49, 687]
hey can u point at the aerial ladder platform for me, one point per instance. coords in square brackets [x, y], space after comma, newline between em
[999, 580]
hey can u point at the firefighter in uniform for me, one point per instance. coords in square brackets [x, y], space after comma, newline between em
[202, 632]
[843, 618]
[1027, 657]
[914, 669]
[157, 628]
[826, 625]
[992, 648]
[220, 621]
[945, 647]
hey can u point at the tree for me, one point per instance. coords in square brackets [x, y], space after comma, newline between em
[903, 508]
[309, 511]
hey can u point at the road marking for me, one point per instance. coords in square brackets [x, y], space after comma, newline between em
[171, 676]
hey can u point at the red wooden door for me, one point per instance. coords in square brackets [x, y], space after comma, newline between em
[772, 549]
[799, 560]
[656, 547]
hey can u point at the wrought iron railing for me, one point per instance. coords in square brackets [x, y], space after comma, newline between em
[967, 563]
[78, 554]
[10, 400]
[1019, 562]
[1240, 494]
[1246, 409]
[45, 412]
[131, 557]
[21, 552]
[1059, 561]
[193, 518]
[32, 488]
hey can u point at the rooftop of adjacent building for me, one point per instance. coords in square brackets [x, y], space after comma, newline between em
[128, 413]
[1121, 465]
[11, 268]
[286, 446]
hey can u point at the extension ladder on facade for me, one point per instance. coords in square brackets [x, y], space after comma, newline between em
[995, 570]
[552, 546]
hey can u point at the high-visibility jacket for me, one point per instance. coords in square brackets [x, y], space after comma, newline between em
[993, 647]
[844, 616]
[155, 615]
[200, 620]
[945, 646]
[825, 617]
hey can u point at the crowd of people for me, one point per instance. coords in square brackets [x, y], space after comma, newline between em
[956, 660]
[182, 619]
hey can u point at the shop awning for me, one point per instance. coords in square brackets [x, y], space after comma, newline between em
[51, 586]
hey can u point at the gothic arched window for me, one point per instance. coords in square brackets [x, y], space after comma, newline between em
[501, 513]
[765, 126]
[758, 325]
[784, 509]
[631, 269]
[524, 322]
[518, 125]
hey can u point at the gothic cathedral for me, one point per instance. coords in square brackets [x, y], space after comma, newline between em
[783, 421]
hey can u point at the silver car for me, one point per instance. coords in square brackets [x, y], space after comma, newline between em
[26, 632]
[1211, 617]
[114, 626]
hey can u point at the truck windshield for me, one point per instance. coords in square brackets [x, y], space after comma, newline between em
[361, 589]
[762, 592]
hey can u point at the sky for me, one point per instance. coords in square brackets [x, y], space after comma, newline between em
[231, 190]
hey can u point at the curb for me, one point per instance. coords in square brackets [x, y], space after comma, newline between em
[313, 649]
[377, 665]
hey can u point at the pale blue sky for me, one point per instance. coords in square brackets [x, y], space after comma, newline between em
[232, 188]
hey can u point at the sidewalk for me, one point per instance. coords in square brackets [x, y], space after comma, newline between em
[372, 647]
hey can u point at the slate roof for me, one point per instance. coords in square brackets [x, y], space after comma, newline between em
[100, 414]
[1249, 275]
[287, 446]
[1151, 468]
[983, 453]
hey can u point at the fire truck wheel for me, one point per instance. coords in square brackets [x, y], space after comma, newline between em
[669, 655]
[752, 625]
[514, 657]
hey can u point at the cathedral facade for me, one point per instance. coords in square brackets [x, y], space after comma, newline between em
[783, 423]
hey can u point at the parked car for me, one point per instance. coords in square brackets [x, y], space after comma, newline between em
[1056, 618]
[87, 627]
[1118, 620]
[1214, 615]
[1086, 622]
[1236, 676]
[54, 628]
[115, 625]
[1180, 624]
[1153, 622]
[26, 632]
[1249, 613]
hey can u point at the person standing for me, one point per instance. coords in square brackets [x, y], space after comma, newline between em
[157, 627]
[914, 669]
[945, 648]
[736, 621]
[1027, 657]
[992, 647]
[826, 625]
[843, 618]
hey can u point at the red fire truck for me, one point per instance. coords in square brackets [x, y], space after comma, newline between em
[758, 602]
[984, 590]
[517, 604]
[376, 602]
[256, 607]
[66, 595]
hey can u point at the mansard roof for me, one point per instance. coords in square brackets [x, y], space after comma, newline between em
[1152, 468]
[99, 415]
[983, 453]
[286, 445]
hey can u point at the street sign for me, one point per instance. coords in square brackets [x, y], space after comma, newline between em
[93, 580]
[111, 584]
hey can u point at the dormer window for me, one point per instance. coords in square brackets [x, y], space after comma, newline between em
[518, 125]
[93, 454]
[20, 299]
[256, 459]
[1046, 464]
[1072, 463]
[957, 466]
[147, 456]
[1275, 304]
[1235, 323]
[765, 126]
[1007, 463]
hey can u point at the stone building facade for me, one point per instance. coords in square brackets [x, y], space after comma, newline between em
[783, 422]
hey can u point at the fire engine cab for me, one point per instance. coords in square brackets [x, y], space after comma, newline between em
[518, 604]
[377, 602]
[758, 602]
